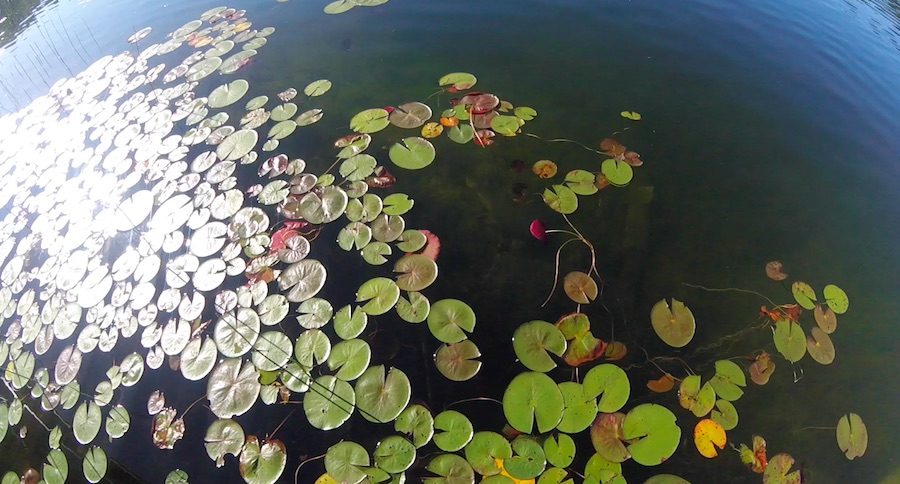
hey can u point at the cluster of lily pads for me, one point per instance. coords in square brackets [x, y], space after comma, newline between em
[129, 230]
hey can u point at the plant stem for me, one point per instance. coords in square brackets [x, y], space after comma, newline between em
[556, 271]
[564, 140]
[297, 472]
[475, 399]
[192, 406]
[814, 428]
[279, 425]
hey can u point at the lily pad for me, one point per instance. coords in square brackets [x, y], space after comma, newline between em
[410, 115]
[412, 153]
[709, 434]
[350, 358]
[533, 341]
[380, 295]
[375, 253]
[836, 299]
[825, 319]
[232, 388]
[819, 346]
[397, 204]
[653, 432]
[95, 464]
[228, 94]
[790, 340]
[728, 380]
[581, 182]
[350, 323]
[415, 309]
[778, 471]
[416, 272]
[675, 325]
[560, 450]
[461, 133]
[528, 460]
[237, 144]
[317, 88]
[309, 117]
[417, 422]
[370, 121]
[580, 408]
[358, 167]
[580, 287]
[344, 461]
[329, 403]
[86, 422]
[223, 437]
[619, 173]
[454, 430]
[561, 199]
[449, 318]
[458, 80]
[804, 295]
[505, 125]
[485, 449]
[852, 436]
[381, 397]
[725, 414]
[610, 381]
[699, 400]
[607, 437]
[456, 361]
[262, 464]
[531, 398]
[451, 468]
[394, 454]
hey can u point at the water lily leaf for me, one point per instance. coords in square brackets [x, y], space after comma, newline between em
[117, 422]
[274, 192]
[653, 432]
[778, 471]
[458, 80]
[699, 400]
[412, 153]
[237, 144]
[583, 349]
[416, 272]
[544, 169]
[533, 397]
[394, 454]
[387, 228]
[461, 133]
[358, 167]
[825, 319]
[432, 130]
[527, 114]
[790, 340]
[675, 325]
[708, 435]
[55, 471]
[728, 380]
[350, 358]
[804, 295]
[773, 271]
[380, 295]
[417, 422]
[271, 351]
[339, 6]
[761, 369]
[505, 125]
[600, 470]
[203, 68]
[223, 437]
[309, 117]
[329, 403]
[528, 460]
[397, 204]
[610, 381]
[234, 62]
[457, 360]
[725, 414]
[232, 388]
[67, 365]
[852, 436]
[410, 115]
[451, 468]
[607, 437]
[820, 347]
[449, 318]
[580, 408]
[580, 287]
[381, 397]
[283, 112]
[312, 347]
[581, 182]
[634, 116]
[619, 173]
[235, 334]
[369, 121]
[177, 476]
[262, 464]
[455, 431]
[324, 206]
[314, 313]
[836, 299]
[94, 464]
[415, 309]
[560, 450]
[228, 94]
[355, 234]
[304, 279]
[411, 240]
[256, 103]
[561, 199]
[317, 88]
[484, 448]
[533, 341]
[280, 131]
[86, 423]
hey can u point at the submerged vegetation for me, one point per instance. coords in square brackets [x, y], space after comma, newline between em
[167, 242]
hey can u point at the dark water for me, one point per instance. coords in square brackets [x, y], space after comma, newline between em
[769, 131]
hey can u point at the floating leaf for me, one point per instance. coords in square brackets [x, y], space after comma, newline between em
[452, 469]
[634, 116]
[533, 341]
[458, 80]
[331, 404]
[455, 430]
[619, 173]
[560, 450]
[416, 272]
[223, 437]
[461, 133]
[836, 299]
[725, 414]
[544, 168]
[825, 318]
[412, 153]
[417, 422]
[398, 204]
[580, 408]
[381, 397]
[394, 454]
[410, 115]
[610, 381]
[262, 464]
[345, 460]
[350, 358]
[485, 449]
[317, 88]
[237, 144]
[708, 435]
[449, 318]
[607, 437]
[533, 397]
[525, 113]
[228, 94]
[505, 125]
[95, 464]
[580, 287]
[761, 369]
[773, 271]
[852, 436]
[309, 117]
[662, 385]
[728, 380]
[581, 182]
[820, 347]
[370, 121]
[778, 471]
[380, 295]
[415, 309]
[653, 432]
[699, 400]
[675, 325]
[804, 295]
[457, 360]
[86, 422]
[561, 199]
[527, 462]
[432, 130]
[232, 388]
[790, 340]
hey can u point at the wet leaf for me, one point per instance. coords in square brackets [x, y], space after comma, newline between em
[709, 434]
[836, 299]
[852, 436]
[533, 341]
[674, 325]
[653, 433]
[580, 287]
[382, 396]
[773, 271]
[531, 398]
[456, 361]
[804, 295]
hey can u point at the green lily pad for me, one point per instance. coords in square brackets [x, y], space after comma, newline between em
[602, 471]
[454, 430]
[610, 381]
[606, 436]
[412, 153]
[358, 167]
[617, 172]
[364, 209]
[555, 475]
[117, 422]
[505, 125]
[308, 117]
[352, 145]
[351, 358]
[560, 450]
[581, 182]
[317, 88]
[666, 479]
[533, 397]
[354, 235]
[323, 207]
[369, 121]
[836, 299]
[458, 80]
[397, 204]
[410, 115]
[281, 130]
[525, 113]
[528, 460]
[411, 240]
[790, 340]
[262, 464]
[381, 397]
[728, 380]
[804, 295]
[451, 468]
[417, 422]
[457, 361]
[561, 199]
[223, 437]
[176, 476]
[415, 309]
[95, 464]
[228, 94]
[349, 322]
[394, 454]
[314, 313]
[580, 408]
[852, 436]
[533, 341]
[725, 414]
[344, 462]
[699, 400]
[380, 295]
[778, 471]
[86, 423]
[232, 388]
[484, 448]
[448, 319]
[675, 325]
[654, 433]
[461, 133]
[387, 228]
[312, 348]
[271, 351]
[256, 103]
[416, 272]
[329, 403]
[237, 144]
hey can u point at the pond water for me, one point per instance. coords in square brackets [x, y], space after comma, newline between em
[767, 131]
